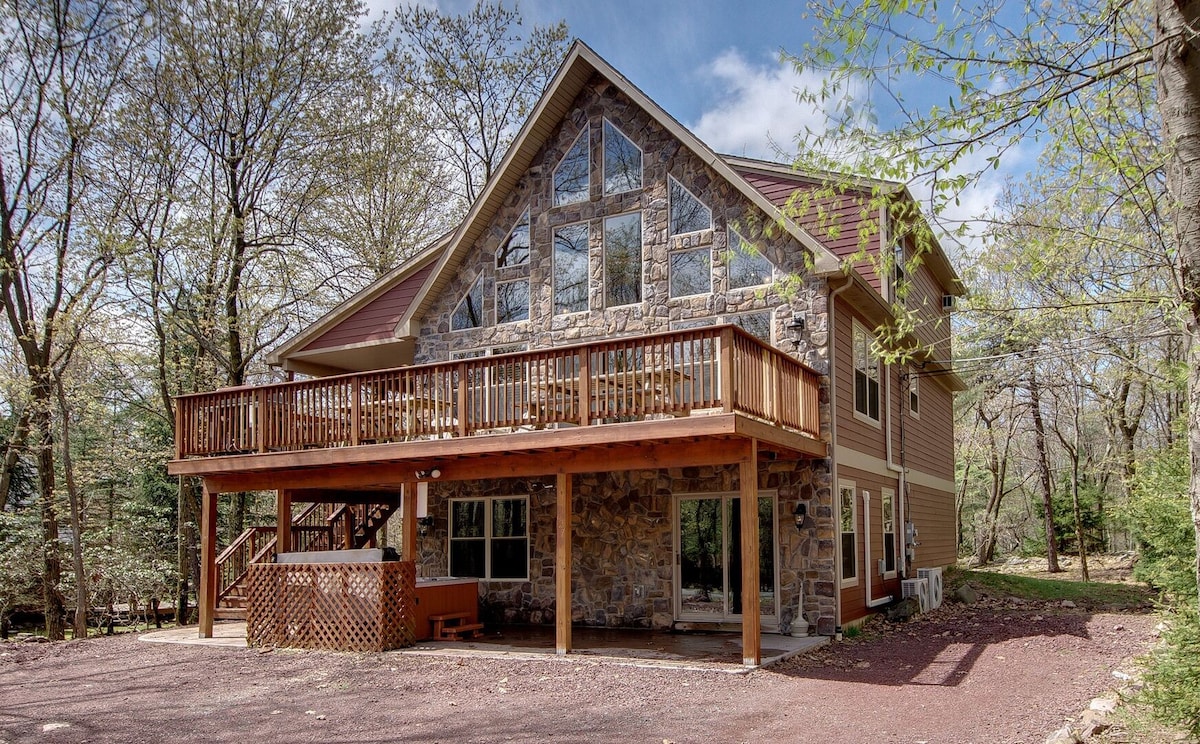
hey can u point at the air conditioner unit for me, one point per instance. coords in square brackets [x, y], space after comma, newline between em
[918, 588]
[949, 302]
[934, 576]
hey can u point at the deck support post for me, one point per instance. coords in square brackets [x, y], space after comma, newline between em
[283, 521]
[408, 516]
[208, 560]
[751, 613]
[562, 565]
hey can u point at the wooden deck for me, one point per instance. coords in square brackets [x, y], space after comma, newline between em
[642, 379]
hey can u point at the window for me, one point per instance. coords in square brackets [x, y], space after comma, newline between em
[747, 267]
[848, 515]
[866, 375]
[570, 269]
[515, 250]
[572, 176]
[623, 260]
[887, 505]
[512, 301]
[756, 324]
[897, 268]
[489, 538]
[469, 313]
[914, 394]
[691, 272]
[622, 162]
[688, 214]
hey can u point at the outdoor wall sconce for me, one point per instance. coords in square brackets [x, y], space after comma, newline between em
[423, 525]
[800, 514]
[798, 324]
[431, 474]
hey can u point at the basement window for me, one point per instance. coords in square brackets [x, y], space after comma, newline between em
[489, 537]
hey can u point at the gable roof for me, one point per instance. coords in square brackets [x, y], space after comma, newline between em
[578, 68]
[369, 329]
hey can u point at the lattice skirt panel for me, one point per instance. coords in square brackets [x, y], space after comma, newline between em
[332, 606]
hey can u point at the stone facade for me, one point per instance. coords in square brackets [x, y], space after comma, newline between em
[623, 532]
[623, 542]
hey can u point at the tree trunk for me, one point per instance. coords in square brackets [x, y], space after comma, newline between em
[1043, 463]
[40, 422]
[1178, 68]
[184, 536]
[79, 628]
[12, 455]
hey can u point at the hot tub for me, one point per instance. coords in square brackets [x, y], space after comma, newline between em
[445, 595]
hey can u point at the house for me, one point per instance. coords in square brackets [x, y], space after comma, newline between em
[575, 394]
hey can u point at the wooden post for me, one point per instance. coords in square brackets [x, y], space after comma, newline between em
[562, 565]
[585, 388]
[726, 369]
[355, 410]
[751, 614]
[207, 590]
[409, 514]
[283, 521]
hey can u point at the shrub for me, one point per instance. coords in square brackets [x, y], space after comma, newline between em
[1160, 520]
[1173, 672]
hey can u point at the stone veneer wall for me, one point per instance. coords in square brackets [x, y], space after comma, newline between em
[623, 538]
[623, 532]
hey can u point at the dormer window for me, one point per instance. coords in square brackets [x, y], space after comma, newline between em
[747, 266]
[688, 214]
[515, 249]
[469, 313]
[622, 162]
[572, 177]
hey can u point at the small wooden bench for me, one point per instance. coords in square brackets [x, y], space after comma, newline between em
[450, 627]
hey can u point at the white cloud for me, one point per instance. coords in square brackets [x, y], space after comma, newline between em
[756, 112]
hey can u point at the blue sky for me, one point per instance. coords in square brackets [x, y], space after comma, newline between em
[715, 66]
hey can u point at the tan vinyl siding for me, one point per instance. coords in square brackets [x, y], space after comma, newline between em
[928, 440]
[925, 297]
[377, 319]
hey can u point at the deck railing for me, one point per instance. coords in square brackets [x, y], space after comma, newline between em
[628, 379]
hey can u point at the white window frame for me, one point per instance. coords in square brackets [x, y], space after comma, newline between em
[641, 257]
[914, 394]
[730, 250]
[587, 270]
[528, 301]
[487, 533]
[524, 219]
[851, 486]
[586, 135]
[604, 159]
[673, 179]
[466, 296]
[886, 495]
[860, 337]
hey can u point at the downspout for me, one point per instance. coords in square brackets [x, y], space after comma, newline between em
[901, 485]
[867, 546]
[833, 469]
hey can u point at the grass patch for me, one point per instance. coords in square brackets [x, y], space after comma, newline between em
[1089, 595]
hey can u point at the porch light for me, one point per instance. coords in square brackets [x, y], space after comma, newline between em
[423, 525]
[800, 514]
[431, 474]
[798, 323]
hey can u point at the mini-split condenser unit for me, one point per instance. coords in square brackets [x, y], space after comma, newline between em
[918, 588]
[934, 577]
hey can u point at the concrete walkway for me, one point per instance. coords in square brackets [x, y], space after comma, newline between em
[642, 648]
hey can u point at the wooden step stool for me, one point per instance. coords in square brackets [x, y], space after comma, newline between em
[450, 627]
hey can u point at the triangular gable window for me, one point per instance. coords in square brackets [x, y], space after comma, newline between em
[515, 250]
[572, 176]
[747, 267]
[622, 162]
[688, 214]
[469, 313]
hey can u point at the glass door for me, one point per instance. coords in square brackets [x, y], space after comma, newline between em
[708, 570]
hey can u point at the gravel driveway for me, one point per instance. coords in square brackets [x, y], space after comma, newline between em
[989, 673]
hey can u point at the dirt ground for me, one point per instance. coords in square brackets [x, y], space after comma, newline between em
[999, 671]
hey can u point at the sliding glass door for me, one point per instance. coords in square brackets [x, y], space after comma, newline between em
[708, 550]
